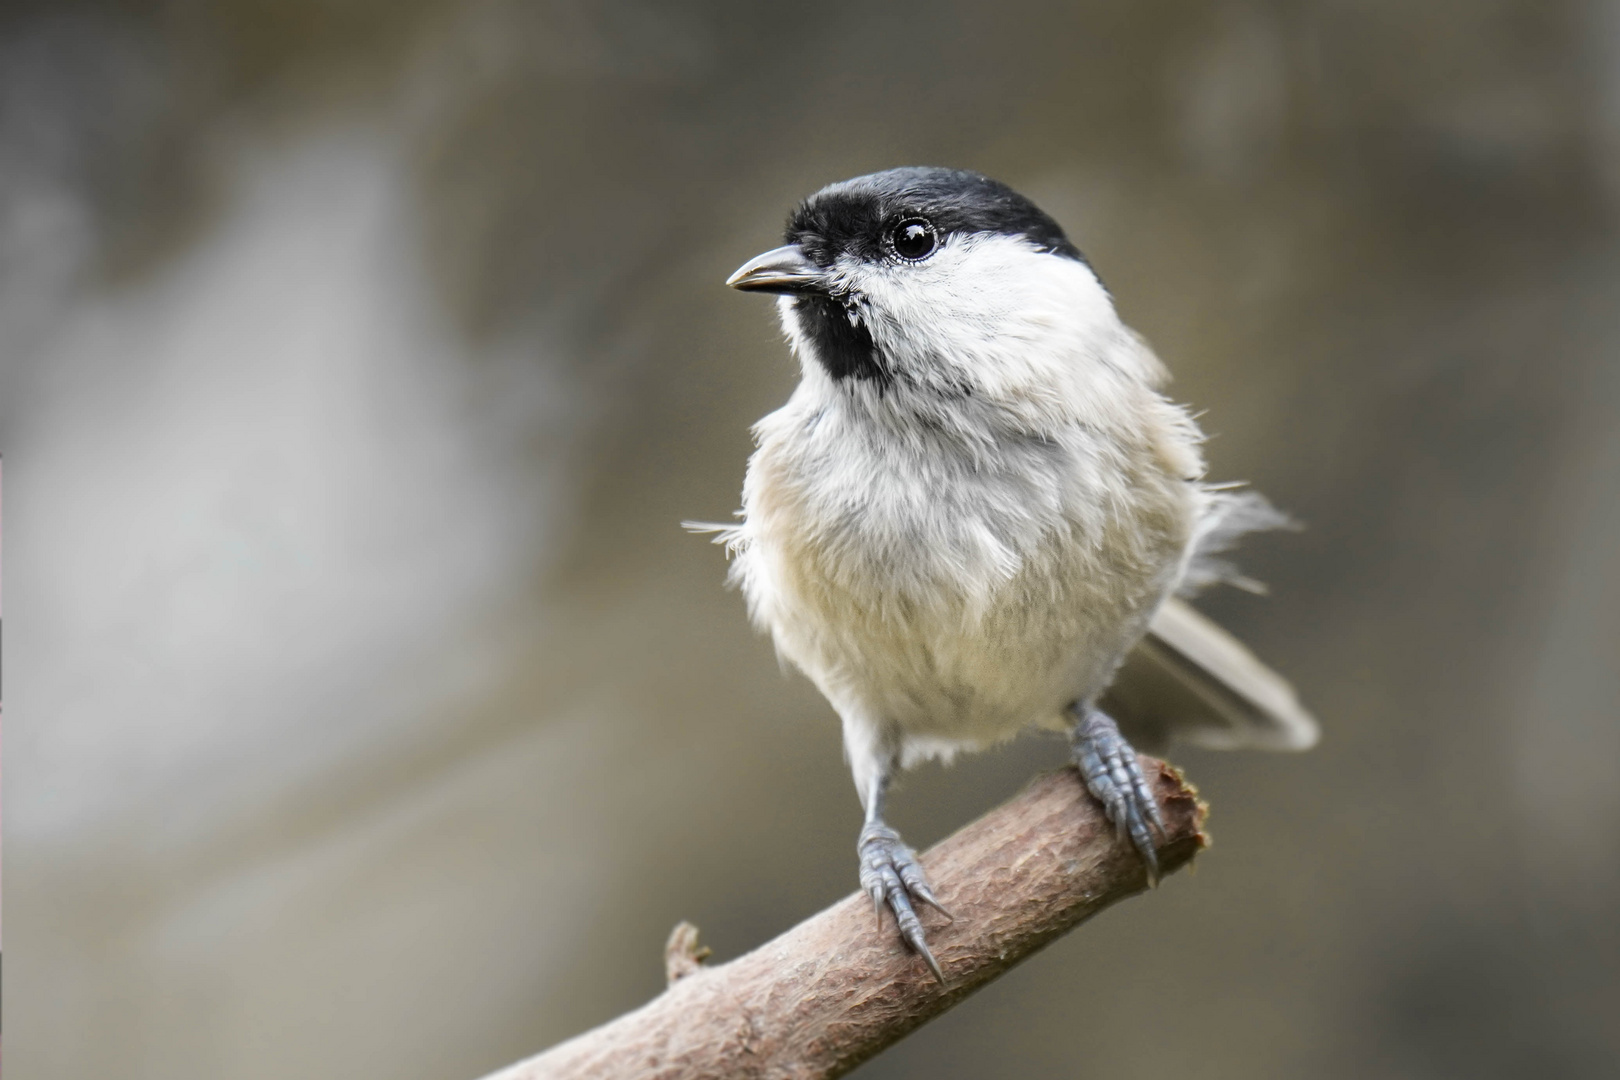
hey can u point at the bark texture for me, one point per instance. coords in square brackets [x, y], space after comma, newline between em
[834, 990]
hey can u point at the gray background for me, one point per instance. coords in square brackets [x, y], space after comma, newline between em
[370, 715]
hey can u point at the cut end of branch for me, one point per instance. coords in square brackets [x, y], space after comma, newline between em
[1179, 796]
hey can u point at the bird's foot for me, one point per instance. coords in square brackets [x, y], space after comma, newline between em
[892, 877]
[1109, 767]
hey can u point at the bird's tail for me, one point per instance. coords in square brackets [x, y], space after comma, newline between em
[1190, 680]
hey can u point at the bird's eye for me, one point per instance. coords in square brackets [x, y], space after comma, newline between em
[913, 239]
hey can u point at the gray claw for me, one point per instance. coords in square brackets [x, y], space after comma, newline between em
[892, 877]
[1111, 773]
[921, 947]
[922, 892]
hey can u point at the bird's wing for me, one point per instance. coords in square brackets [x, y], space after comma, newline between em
[1190, 680]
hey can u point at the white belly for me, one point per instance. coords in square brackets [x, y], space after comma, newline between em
[958, 669]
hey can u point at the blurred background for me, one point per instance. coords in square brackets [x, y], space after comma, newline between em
[371, 715]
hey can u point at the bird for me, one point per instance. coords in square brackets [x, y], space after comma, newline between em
[978, 513]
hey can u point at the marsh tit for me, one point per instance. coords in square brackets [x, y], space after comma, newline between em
[975, 513]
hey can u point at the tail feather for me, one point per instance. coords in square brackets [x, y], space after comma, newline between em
[1191, 680]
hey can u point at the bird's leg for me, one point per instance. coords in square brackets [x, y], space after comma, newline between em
[890, 873]
[1108, 766]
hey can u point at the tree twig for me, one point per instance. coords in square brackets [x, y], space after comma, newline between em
[835, 990]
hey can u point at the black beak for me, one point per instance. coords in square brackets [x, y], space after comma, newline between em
[781, 270]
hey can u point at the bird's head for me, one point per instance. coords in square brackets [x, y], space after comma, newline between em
[931, 276]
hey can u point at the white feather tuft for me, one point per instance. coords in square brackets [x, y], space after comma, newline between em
[1231, 515]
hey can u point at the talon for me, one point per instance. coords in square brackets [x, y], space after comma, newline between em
[921, 948]
[926, 895]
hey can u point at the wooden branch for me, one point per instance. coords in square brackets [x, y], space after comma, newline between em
[835, 990]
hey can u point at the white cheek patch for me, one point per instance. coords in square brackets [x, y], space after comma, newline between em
[984, 307]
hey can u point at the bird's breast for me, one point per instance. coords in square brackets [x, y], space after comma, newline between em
[948, 587]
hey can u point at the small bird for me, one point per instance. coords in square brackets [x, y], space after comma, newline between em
[976, 510]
